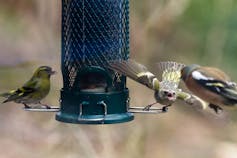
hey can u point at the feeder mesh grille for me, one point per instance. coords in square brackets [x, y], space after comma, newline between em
[93, 33]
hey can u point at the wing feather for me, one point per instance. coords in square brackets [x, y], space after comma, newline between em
[218, 86]
[135, 71]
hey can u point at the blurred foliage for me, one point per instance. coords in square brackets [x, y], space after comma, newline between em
[188, 31]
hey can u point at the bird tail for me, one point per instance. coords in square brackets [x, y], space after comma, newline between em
[5, 101]
[170, 71]
[5, 95]
[231, 95]
[135, 71]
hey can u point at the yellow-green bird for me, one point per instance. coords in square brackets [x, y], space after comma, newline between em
[167, 90]
[210, 84]
[34, 90]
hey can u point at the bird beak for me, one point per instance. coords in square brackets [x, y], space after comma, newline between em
[171, 97]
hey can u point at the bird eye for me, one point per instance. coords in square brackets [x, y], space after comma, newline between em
[165, 92]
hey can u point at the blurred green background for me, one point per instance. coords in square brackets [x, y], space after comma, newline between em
[188, 31]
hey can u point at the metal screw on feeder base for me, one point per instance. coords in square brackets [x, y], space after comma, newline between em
[94, 33]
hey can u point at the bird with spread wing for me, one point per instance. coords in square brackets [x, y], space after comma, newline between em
[166, 91]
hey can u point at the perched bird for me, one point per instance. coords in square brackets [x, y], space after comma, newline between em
[34, 90]
[211, 85]
[166, 90]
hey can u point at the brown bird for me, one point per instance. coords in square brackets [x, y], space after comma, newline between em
[211, 85]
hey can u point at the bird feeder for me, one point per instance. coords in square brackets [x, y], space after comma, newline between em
[94, 33]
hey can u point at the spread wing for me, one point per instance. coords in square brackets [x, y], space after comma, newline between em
[192, 100]
[135, 71]
[197, 102]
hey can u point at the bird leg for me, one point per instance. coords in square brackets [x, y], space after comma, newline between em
[45, 105]
[26, 106]
[147, 108]
[163, 109]
[216, 108]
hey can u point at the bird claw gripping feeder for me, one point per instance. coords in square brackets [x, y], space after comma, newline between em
[94, 33]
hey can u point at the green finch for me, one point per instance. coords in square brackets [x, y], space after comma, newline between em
[211, 85]
[167, 90]
[34, 90]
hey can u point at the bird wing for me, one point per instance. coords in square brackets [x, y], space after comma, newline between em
[135, 71]
[215, 73]
[214, 84]
[29, 87]
[197, 102]
[19, 93]
[192, 100]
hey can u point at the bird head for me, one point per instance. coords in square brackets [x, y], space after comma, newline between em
[168, 90]
[170, 95]
[187, 70]
[44, 72]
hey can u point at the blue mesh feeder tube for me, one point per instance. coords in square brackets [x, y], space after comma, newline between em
[93, 34]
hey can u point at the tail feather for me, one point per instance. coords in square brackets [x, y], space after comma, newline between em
[170, 71]
[8, 95]
[230, 94]
[5, 101]
[5, 95]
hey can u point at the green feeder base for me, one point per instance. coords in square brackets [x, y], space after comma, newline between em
[95, 119]
[94, 108]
